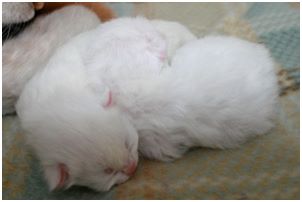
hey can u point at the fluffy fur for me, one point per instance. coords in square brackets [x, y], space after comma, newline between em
[31, 50]
[123, 97]
[219, 92]
[175, 35]
[66, 108]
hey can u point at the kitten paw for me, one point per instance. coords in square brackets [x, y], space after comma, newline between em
[155, 146]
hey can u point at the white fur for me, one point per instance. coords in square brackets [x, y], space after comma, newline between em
[61, 108]
[175, 34]
[217, 92]
[23, 55]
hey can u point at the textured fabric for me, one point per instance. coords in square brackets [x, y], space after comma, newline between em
[267, 167]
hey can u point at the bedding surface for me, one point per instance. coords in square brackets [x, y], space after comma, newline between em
[267, 167]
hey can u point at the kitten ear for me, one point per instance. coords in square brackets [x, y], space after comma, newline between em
[108, 99]
[56, 176]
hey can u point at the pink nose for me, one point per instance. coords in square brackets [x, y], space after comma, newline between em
[130, 168]
[162, 56]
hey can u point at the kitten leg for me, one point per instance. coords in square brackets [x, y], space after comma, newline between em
[162, 147]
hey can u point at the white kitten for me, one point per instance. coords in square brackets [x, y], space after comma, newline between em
[218, 92]
[30, 50]
[70, 109]
[83, 123]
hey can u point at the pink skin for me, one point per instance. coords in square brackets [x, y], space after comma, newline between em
[64, 175]
[162, 56]
[130, 168]
[109, 101]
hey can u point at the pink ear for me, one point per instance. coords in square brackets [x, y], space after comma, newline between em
[56, 176]
[162, 56]
[64, 175]
[109, 101]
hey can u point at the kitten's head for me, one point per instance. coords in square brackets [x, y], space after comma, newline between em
[81, 142]
[134, 35]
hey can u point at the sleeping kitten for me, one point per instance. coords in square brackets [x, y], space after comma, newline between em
[24, 55]
[218, 92]
[70, 111]
[122, 97]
